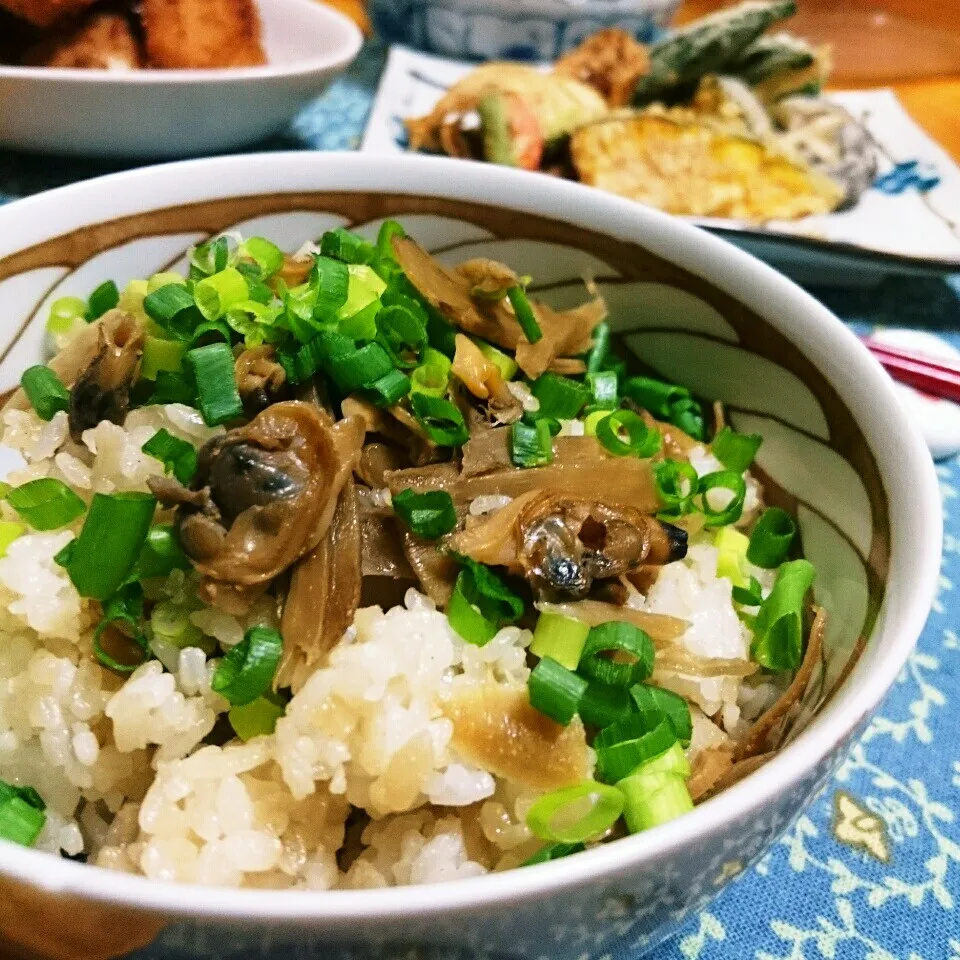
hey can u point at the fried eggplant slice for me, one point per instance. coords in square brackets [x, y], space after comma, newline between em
[202, 34]
[694, 169]
[101, 41]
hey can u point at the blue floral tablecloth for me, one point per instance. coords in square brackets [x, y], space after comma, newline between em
[872, 870]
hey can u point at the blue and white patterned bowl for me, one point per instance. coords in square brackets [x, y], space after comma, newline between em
[513, 29]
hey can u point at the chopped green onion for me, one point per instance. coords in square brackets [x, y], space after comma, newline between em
[656, 705]
[388, 230]
[602, 705]
[771, 538]
[559, 637]
[258, 718]
[555, 691]
[124, 608]
[333, 283]
[22, 814]
[657, 396]
[255, 322]
[735, 450]
[110, 542]
[5, 489]
[45, 391]
[161, 553]
[592, 421]
[177, 456]
[652, 799]
[171, 621]
[749, 596]
[429, 515]
[623, 433]
[104, 298]
[531, 445]
[553, 851]
[10, 530]
[216, 294]
[626, 746]
[210, 331]
[268, 256]
[622, 640]
[676, 482]
[733, 509]
[505, 364]
[347, 246]
[403, 335]
[441, 420]
[160, 355]
[687, 414]
[360, 367]
[364, 289]
[673, 761]
[362, 325]
[159, 280]
[298, 307]
[576, 814]
[173, 308]
[433, 375]
[778, 631]
[212, 368]
[605, 390]
[258, 291]
[46, 504]
[247, 671]
[66, 313]
[174, 387]
[526, 317]
[559, 397]
[600, 349]
[391, 388]
[463, 612]
[732, 555]
[497, 600]
[210, 257]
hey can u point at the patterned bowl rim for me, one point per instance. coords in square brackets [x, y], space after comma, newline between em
[905, 469]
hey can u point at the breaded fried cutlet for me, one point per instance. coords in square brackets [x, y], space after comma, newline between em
[100, 41]
[43, 13]
[202, 34]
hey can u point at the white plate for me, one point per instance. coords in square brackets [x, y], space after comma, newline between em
[915, 229]
[179, 113]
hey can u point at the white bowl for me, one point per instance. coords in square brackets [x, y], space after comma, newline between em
[837, 446]
[514, 29]
[180, 113]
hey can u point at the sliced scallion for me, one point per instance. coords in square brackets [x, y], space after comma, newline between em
[750, 595]
[778, 630]
[433, 374]
[161, 553]
[216, 294]
[623, 748]
[389, 389]
[429, 515]
[553, 851]
[524, 312]
[388, 230]
[123, 611]
[173, 308]
[531, 445]
[66, 313]
[559, 637]
[212, 368]
[46, 504]
[602, 705]
[333, 284]
[732, 555]
[267, 255]
[772, 538]
[441, 420]
[22, 814]
[555, 691]
[657, 396]
[177, 456]
[600, 349]
[559, 396]
[732, 509]
[624, 434]
[652, 799]
[630, 648]
[735, 450]
[505, 364]
[347, 246]
[603, 385]
[656, 705]
[403, 336]
[160, 354]
[10, 530]
[576, 814]
[247, 670]
[258, 718]
[676, 482]
[104, 298]
[45, 391]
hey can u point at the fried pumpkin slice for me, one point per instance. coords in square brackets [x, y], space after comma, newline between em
[694, 169]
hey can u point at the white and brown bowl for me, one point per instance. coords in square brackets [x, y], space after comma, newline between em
[837, 451]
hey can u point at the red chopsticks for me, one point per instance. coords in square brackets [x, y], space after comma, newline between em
[935, 377]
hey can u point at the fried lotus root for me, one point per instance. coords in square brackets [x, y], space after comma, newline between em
[263, 495]
[693, 169]
[202, 34]
[562, 544]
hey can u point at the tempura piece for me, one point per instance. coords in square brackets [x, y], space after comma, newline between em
[101, 41]
[611, 61]
[694, 169]
[43, 13]
[521, 110]
[202, 34]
